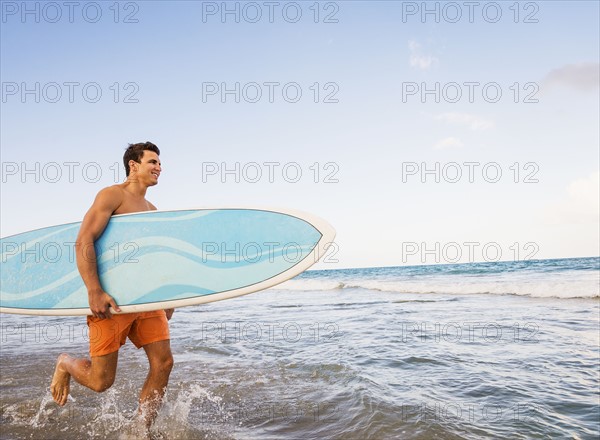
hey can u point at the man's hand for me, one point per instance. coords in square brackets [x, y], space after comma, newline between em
[100, 304]
[169, 313]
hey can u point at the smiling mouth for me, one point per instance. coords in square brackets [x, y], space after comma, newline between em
[155, 175]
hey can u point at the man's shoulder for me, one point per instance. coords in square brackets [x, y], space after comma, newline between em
[111, 191]
[117, 187]
[110, 197]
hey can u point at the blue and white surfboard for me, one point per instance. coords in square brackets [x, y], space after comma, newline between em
[162, 259]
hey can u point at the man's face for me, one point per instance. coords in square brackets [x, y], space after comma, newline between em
[149, 169]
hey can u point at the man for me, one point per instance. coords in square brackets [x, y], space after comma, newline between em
[108, 332]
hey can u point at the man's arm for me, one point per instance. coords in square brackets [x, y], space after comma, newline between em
[95, 221]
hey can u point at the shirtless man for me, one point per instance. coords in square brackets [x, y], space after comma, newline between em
[149, 330]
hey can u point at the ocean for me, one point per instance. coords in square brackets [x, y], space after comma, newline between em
[463, 351]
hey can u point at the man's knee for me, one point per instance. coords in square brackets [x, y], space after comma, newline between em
[160, 357]
[166, 363]
[103, 372]
[102, 384]
[163, 363]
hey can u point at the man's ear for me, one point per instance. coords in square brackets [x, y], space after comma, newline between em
[132, 165]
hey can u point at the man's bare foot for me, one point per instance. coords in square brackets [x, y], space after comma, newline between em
[60, 381]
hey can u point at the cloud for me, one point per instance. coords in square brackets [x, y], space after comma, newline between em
[583, 76]
[449, 142]
[419, 60]
[474, 122]
[580, 202]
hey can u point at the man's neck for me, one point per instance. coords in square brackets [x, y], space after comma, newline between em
[133, 186]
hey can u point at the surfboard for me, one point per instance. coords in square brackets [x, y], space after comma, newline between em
[162, 259]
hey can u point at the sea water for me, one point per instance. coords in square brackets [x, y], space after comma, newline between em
[484, 350]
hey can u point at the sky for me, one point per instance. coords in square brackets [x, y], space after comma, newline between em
[423, 132]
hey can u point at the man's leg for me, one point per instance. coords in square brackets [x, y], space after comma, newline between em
[97, 374]
[161, 363]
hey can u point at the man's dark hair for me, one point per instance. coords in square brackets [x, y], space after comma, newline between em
[135, 152]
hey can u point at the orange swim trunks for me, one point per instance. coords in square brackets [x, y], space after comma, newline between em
[108, 335]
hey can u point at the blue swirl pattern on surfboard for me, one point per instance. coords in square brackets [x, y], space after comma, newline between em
[155, 257]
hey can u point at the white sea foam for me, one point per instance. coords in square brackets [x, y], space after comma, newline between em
[583, 285]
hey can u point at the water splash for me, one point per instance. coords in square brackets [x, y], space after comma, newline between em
[42, 415]
[191, 411]
[110, 416]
